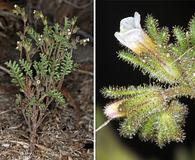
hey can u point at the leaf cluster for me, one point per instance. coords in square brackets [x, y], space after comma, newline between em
[45, 60]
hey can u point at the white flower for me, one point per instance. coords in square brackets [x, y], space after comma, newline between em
[112, 110]
[38, 81]
[132, 36]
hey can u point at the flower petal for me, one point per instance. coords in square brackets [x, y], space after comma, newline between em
[130, 23]
[137, 19]
[126, 24]
[131, 39]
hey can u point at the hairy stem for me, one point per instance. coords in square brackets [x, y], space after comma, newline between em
[179, 91]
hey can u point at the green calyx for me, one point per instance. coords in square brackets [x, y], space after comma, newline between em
[165, 126]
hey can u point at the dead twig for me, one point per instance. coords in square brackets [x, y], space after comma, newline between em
[9, 14]
[4, 69]
[85, 34]
[15, 127]
[4, 112]
[24, 144]
[3, 35]
[76, 5]
[85, 72]
[48, 150]
[8, 152]
[27, 145]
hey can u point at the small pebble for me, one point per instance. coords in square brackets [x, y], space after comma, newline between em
[6, 145]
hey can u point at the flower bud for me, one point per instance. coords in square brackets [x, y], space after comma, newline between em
[113, 111]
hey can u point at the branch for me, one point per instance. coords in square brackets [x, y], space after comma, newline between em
[4, 69]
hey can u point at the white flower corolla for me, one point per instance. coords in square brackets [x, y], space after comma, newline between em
[132, 36]
[112, 110]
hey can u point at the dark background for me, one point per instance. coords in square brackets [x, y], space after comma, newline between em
[111, 71]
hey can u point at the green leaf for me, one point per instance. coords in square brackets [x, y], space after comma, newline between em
[160, 36]
[192, 31]
[41, 66]
[164, 69]
[181, 39]
[152, 27]
[26, 67]
[119, 92]
[67, 64]
[57, 96]
[16, 73]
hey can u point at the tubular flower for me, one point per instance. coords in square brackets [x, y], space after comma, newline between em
[132, 36]
[113, 110]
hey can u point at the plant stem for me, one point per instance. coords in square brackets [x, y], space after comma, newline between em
[4, 69]
[33, 132]
[179, 91]
[33, 136]
[103, 125]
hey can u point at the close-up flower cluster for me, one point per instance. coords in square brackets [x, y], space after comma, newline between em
[153, 111]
